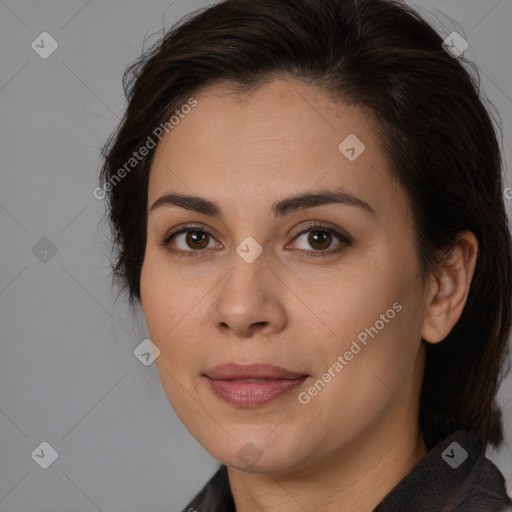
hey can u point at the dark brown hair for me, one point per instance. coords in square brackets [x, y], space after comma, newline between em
[439, 138]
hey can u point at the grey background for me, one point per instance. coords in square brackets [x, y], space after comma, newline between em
[68, 375]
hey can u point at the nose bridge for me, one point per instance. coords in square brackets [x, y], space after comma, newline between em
[246, 277]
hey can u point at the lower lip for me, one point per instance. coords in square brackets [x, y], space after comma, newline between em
[253, 394]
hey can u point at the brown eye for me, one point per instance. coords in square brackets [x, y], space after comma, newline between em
[318, 238]
[187, 241]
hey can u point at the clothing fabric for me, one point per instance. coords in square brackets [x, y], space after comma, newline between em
[454, 476]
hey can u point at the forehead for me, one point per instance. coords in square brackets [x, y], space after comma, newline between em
[283, 137]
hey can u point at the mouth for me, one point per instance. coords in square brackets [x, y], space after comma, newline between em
[252, 385]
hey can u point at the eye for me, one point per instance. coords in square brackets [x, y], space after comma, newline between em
[320, 238]
[189, 240]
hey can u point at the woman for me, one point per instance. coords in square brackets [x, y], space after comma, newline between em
[306, 199]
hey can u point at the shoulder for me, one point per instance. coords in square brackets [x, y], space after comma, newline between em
[454, 476]
[487, 490]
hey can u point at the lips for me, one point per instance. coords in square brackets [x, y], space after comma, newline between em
[233, 371]
[252, 385]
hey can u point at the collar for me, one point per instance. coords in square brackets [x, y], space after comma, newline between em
[453, 476]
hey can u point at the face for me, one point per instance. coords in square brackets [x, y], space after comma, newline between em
[315, 300]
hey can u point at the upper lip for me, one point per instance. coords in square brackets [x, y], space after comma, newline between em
[234, 371]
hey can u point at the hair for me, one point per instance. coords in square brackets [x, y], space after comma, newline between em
[439, 138]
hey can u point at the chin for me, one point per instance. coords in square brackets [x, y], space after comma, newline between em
[260, 463]
[255, 454]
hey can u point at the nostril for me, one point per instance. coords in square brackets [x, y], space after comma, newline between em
[258, 323]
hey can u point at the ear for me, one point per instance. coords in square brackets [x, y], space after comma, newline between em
[449, 288]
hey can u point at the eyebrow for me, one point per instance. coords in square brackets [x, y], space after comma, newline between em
[279, 209]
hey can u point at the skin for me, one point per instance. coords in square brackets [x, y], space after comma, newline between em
[359, 436]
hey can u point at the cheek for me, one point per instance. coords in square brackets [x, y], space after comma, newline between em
[374, 317]
[356, 300]
[164, 299]
[171, 310]
[373, 377]
[154, 300]
[162, 311]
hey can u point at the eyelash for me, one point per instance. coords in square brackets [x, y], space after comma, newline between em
[315, 226]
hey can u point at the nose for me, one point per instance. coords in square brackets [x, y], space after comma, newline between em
[250, 300]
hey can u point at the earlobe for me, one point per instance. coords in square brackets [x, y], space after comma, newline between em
[449, 288]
